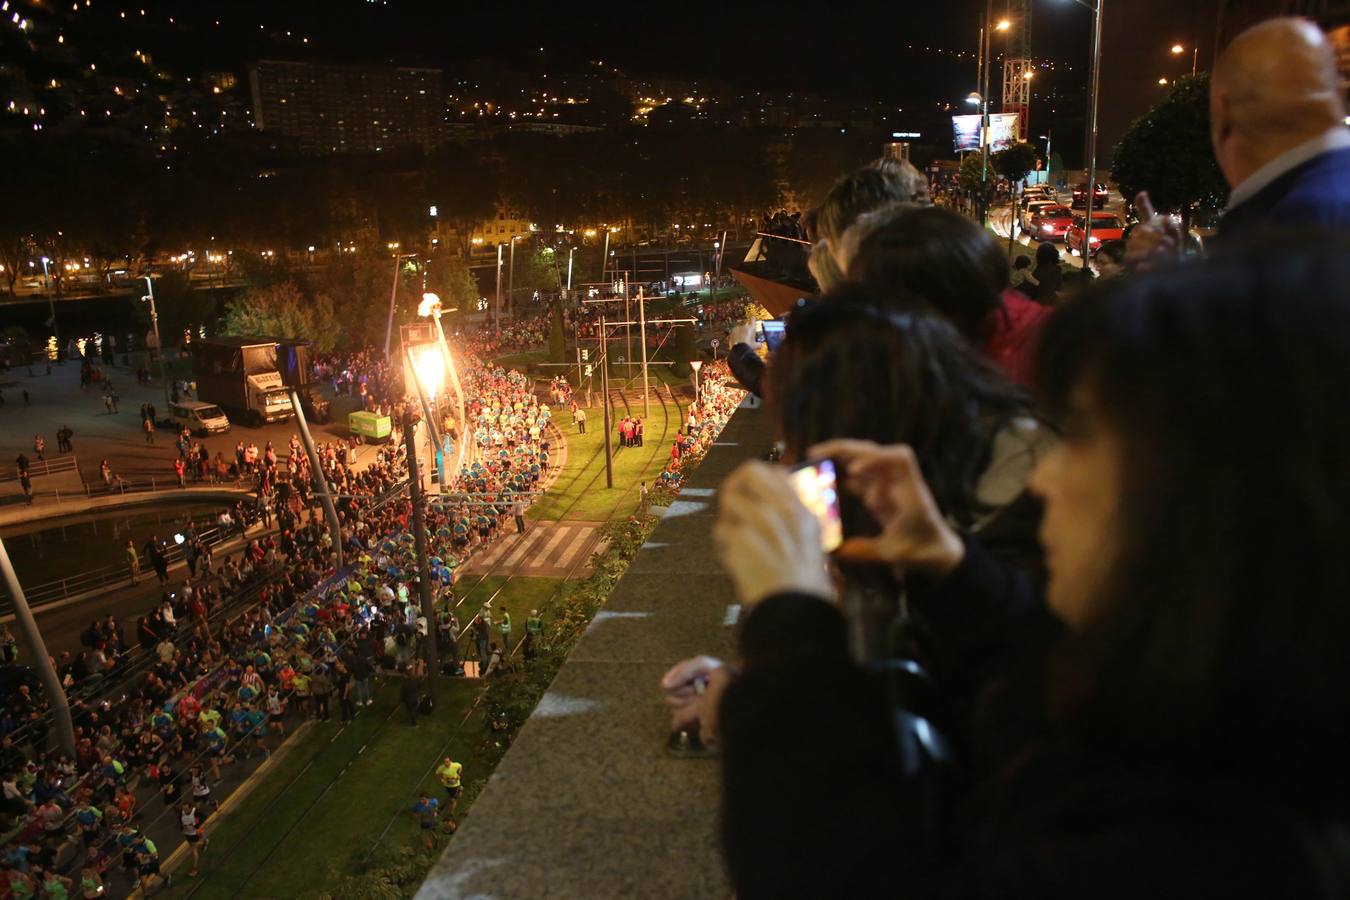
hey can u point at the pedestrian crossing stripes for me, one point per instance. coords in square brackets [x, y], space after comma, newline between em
[545, 549]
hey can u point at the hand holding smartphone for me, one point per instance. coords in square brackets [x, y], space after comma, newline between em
[817, 486]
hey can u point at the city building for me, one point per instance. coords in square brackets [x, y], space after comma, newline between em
[328, 108]
[500, 229]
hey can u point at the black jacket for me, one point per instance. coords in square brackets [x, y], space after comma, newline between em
[814, 804]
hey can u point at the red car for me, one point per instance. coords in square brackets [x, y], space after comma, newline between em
[1051, 223]
[1106, 226]
[1080, 196]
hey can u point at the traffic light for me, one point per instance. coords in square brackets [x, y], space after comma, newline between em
[585, 355]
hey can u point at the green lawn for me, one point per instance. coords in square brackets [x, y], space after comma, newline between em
[320, 811]
[326, 806]
[582, 479]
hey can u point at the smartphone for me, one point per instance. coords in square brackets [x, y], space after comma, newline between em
[770, 333]
[817, 486]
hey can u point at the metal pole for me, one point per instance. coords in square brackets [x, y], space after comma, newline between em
[320, 481]
[628, 327]
[604, 258]
[420, 545]
[428, 410]
[497, 310]
[393, 294]
[570, 251]
[604, 387]
[154, 322]
[51, 304]
[42, 661]
[984, 114]
[642, 323]
[511, 280]
[1092, 134]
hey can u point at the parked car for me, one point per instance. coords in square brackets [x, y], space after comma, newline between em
[1105, 227]
[1051, 223]
[1038, 192]
[1033, 207]
[1098, 196]
[198, 417]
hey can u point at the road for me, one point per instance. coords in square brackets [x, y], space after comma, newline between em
[57, 400]
[1000, 216]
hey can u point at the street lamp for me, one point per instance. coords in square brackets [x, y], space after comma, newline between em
[154, 318]
[51, 304]
[987, 34]
[1095, 79]
[431, 306]
[1178, 50]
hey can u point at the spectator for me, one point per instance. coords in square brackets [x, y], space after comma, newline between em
[1277, 119]
[1022, 280]
[952, 265]
[1095, 704]
[1047, 275]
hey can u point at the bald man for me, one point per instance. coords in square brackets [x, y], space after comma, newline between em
[1277, 122]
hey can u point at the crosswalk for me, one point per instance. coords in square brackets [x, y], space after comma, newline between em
[546, 549]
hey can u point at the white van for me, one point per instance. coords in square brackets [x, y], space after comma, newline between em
[198, 417]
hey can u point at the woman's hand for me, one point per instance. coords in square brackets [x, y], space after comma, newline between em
[767, 541]
[693, 690]
[914, 535]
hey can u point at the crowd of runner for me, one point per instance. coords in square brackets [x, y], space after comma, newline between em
[253, 641]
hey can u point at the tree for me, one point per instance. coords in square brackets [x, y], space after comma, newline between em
[1014, 162]
[535, 270]
[1167, 152]
[464, 183]
[971, 181]
[451, 279]
[282, 310]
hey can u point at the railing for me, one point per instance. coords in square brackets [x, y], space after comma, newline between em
[39, 467]
[113, 575]
[122, 486]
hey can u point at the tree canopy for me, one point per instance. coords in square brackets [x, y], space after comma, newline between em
[1167, 152]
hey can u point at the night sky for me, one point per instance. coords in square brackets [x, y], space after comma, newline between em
[836, 49]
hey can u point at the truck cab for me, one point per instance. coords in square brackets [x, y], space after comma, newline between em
[268, 399]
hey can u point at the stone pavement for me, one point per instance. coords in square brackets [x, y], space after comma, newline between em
[588, 802]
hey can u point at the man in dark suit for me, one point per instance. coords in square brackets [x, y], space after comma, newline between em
[1277, 122]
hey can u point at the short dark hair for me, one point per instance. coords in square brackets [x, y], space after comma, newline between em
[1047, 253]
[850, 368]
[936, 254]
[1222, 634]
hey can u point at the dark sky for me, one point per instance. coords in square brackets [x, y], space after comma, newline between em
[836, 48]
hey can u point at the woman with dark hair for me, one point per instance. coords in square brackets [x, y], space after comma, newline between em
[1049, 278]
[850, 369]
[903, 251]
[1173, 719]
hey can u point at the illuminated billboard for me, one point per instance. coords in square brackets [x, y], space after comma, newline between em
[1003, 130]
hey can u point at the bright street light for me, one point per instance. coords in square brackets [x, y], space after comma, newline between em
[1004, 25]
[1162, 81]
[974, 99]
[1177, 49]
[429, 367]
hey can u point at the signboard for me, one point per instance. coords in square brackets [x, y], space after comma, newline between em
[1003, 131]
